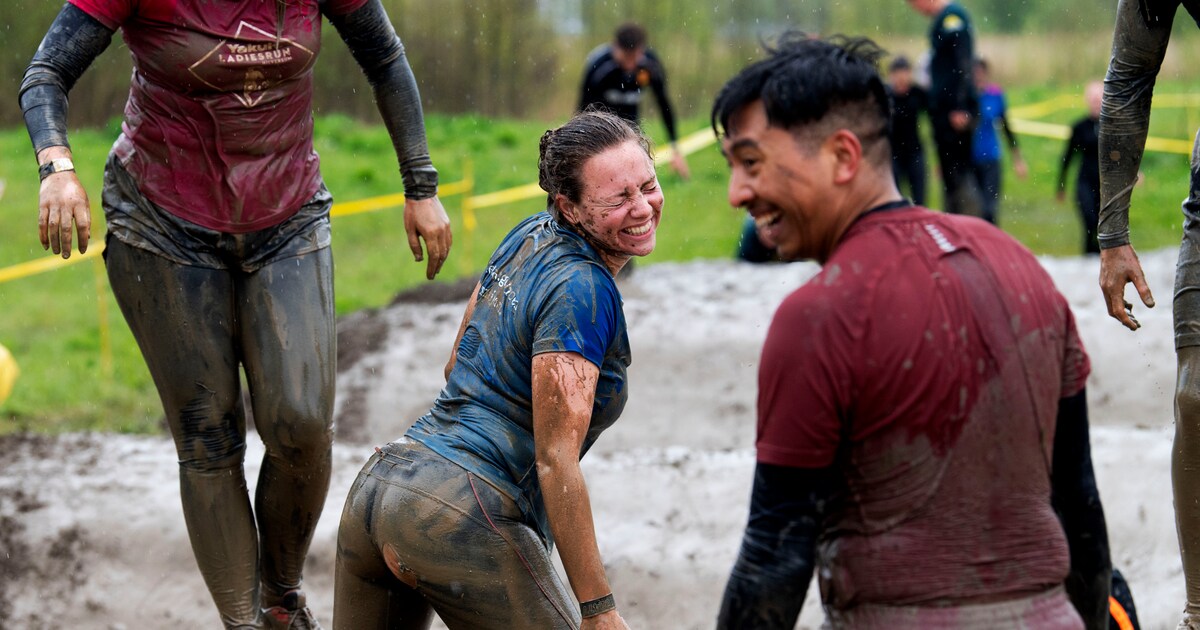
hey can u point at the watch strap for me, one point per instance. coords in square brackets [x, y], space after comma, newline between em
[57, 165]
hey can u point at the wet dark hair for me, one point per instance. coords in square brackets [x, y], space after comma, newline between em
[899, 62]
[815, 86]
[630, 36]
[563, 151]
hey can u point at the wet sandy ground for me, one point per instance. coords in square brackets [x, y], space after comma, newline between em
[91, 534]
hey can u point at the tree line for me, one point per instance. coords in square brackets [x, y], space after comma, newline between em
[524, 58]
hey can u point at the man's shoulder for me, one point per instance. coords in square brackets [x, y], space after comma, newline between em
[599, 55]
[953, 19]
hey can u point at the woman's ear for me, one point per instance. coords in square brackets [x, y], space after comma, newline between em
[567, 209]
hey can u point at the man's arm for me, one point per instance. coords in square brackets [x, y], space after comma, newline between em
[658, 83]
[1077, 502]
[588, 93]
[769, 581]
[1074, 145]
[1018, 162]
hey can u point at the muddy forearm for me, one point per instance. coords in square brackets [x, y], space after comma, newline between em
[72, 43]
[1137, 53]
[570, 509]
[564, 388]
[369, 34]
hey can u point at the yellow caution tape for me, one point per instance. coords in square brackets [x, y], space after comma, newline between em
[41, 265]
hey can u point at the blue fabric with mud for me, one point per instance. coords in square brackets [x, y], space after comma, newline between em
[544, 290]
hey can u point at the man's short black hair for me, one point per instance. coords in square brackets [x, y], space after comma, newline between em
[899, 62]
[806, 81]
[630, 36]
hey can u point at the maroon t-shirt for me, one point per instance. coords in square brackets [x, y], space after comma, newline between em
[218, 125]
[926, 362]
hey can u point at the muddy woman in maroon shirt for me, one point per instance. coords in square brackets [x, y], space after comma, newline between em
[217, 250]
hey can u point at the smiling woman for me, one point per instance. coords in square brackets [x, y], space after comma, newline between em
[458, 517]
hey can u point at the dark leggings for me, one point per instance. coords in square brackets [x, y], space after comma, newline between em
[962, 195]
[195, 326]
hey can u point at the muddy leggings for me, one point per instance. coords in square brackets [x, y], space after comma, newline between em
[195, 325]
[420, 534]
[1185, 459]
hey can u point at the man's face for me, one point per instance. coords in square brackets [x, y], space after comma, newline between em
[900, 79]
[784, 186]
[627, 58]
[981, 77]
[1093, 95]
[928, 8]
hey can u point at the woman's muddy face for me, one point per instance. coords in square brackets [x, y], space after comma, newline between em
[620, 206]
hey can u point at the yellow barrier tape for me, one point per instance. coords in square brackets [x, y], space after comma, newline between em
[687, 145]
[42, 265]
[383, 202]
[1040, 129]
[1062, 132]
[1047, 107]
[1177, 100]
[487, 200]
[1169, 145]
[468, 204]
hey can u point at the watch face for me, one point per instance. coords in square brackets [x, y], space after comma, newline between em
[57, 165]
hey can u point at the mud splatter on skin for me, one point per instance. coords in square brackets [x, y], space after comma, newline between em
[615, 194]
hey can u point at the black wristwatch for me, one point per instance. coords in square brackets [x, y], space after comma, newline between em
[57, 165]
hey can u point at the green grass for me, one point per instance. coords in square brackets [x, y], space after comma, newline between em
[52, 322]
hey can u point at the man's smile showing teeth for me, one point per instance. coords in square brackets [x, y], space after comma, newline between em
[765, 220]
[638, 230]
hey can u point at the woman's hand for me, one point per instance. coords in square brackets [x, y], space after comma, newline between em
[426, 219]
[610, 620]
[62, 202]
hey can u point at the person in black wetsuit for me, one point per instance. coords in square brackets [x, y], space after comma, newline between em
[953, 105]
[615, 75]
[909, 101]
[1085, 143]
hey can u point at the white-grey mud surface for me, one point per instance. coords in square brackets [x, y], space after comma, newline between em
[92, 536]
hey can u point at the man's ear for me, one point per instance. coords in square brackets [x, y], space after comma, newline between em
[847, 154]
